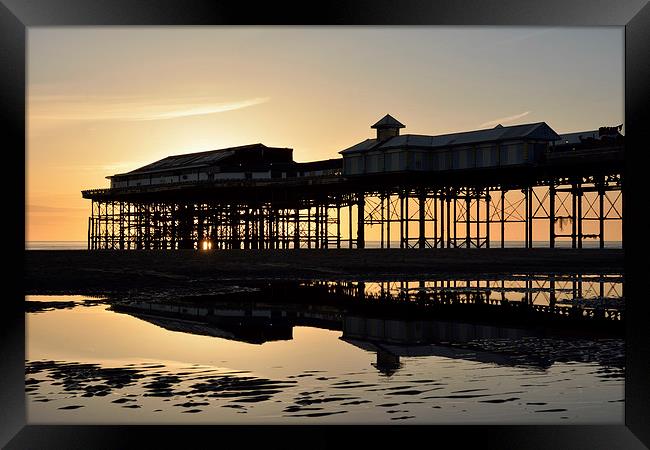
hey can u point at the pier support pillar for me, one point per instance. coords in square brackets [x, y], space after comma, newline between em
[551, 211]
[338, 224]
[601, 215]
[296, 228]
[468, 231]
[488, 198]
[361, 206]
[421, 237]
[502, 218]
[387, 220]
[579, 213]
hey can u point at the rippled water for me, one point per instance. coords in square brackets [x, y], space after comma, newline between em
[89, 364]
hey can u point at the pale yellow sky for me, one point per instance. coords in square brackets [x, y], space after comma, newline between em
[104, 100]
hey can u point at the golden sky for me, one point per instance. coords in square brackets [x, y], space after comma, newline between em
[105, 100]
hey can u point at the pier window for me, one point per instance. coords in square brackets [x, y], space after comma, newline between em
[464, 158]
[512, 153]
[388, 161]
[536, 150]
[435, 161]
[444, 160]
[486, 156]
[374, 163]
[418, 161]
[402, 160]
[353, 165]
[455, 159]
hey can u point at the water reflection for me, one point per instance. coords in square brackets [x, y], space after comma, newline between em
[522, 349]
[591, 295]
[394, 319]
[244, 329]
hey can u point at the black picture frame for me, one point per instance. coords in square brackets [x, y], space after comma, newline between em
[16, 16]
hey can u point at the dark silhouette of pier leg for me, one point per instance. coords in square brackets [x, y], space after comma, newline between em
[468, 222]
[503, 217]
[601, 215]
[488, 198]
[551, 222]
[579, 213]
[360, 220]
[589, 203]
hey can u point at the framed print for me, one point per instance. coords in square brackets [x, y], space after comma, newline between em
[363, 222]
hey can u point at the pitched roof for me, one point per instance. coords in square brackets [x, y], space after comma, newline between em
[539, 130]
[361, 146]
[191, 160]
[388, 121]
[574, 138]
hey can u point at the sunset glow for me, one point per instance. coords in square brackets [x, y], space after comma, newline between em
[106, 100]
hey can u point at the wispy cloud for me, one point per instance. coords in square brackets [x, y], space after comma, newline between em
[134, 109]
[52, 209]
[503, 120]
[101, 168]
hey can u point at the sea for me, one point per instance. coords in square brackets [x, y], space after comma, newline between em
[83, 245]
[303, 354]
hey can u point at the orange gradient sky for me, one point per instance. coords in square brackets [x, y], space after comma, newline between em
[105, 100]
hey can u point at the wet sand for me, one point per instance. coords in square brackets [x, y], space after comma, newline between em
[83, 366]
[96, 271]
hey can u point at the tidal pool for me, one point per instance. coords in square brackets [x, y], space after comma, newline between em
[90, 363]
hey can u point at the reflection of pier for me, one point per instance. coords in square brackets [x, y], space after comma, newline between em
[251, 330]
[392, 339]
[389, 337]
[388, 355]
[596, 296]
[391, 326]
[400, 331]
[247, 322]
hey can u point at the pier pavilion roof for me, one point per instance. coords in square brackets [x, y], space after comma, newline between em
[209, 158]
[538, 130]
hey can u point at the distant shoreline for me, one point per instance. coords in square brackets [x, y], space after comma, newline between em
[83, 245]
[80, 271]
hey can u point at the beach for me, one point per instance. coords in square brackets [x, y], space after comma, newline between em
[81, 271]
